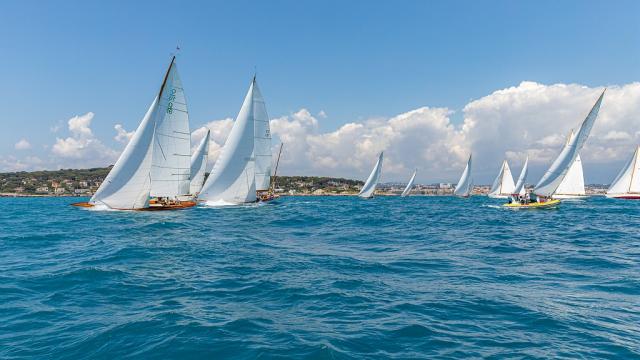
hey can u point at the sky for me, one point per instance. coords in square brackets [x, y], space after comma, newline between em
[428, 82]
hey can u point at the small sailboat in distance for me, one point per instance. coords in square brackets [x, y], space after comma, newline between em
[372, 181]
[407, 189]
[233, 178]
[199, 164]
[627, 184]
[572, 187]
[541, 197]
[503, 185]
[153, 171]
[465, 184]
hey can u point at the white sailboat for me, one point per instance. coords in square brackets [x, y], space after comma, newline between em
[199, 164]
[233, 178]
[556, 173]
[155, 162]
[519, 188]
[627, 184]
[572, 187]
[465, 184]
[407, 189]
[503, 185]
[372, 181]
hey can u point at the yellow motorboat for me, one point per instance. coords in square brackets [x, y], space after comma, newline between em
[533, 205]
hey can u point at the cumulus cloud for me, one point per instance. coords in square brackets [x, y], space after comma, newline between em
[23, 144]
[82, 148]
[220, 129]
[122, 135]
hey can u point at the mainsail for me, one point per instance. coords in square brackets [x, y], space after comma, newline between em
[199, 164]
[170, 166]
[549, 183]
[465, 184]
[503, 184]
[262, 134]
[573, 184]
[233, 178]
[627, 183]
[372, 181]
[407, 189]
[519, 188]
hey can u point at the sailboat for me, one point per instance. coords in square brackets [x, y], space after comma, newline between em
[407, 189]
[153, 171]
[372, 181]
[233, 178]
[627, 184]
[199, 164]
[465, 184]
[572, 187]
[541, 196]
[503, 185]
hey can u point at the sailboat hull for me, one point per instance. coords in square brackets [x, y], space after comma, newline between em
[535, 205]
[624, 196]
[152, 207]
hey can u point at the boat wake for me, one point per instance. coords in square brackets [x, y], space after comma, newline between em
[225, 204]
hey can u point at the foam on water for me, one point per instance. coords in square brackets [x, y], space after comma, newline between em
[321, 277]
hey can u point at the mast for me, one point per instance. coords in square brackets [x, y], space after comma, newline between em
[275, 172]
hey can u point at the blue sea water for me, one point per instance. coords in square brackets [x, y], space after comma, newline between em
[321, 278]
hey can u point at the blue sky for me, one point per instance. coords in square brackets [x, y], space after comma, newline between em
[354, 60]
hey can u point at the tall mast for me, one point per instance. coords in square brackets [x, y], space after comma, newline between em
[275, 172]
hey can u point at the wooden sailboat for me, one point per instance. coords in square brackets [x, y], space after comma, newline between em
[369, 187]
[627, 184]
[153, 171]
[407, 189]
[465, 184]
[541, 196]
[572, 186]
[503, 185]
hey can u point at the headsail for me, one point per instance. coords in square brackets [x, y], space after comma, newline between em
[573, 183]
[503, 184]
[370, 185]
[627, 183]
[549, 183]
[465, 184]
[262, 150]
[519, 188]
[199, 164]
[407, 189]
[233, 178]
[170, 169]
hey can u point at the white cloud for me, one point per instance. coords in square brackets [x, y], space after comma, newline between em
[219, 131]
[23, 144]
[122, 135]
[82, 148]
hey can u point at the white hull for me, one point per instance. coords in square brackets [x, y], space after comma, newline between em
[498, 196]
[628, 196]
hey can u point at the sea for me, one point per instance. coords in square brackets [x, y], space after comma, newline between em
[321, 278]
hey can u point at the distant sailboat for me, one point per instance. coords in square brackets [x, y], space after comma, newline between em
[519, 188]
[407, 189]
[572, 187]
[155, 162]
[552, 179]
[199, 164]
[233, 178]
[465, 184]
[372, 181]
[627, 184]
[503, 184]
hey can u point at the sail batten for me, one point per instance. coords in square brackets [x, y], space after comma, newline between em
[369, 187]
[556, 173]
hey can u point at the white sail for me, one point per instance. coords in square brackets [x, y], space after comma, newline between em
[519, 188]
[465, 184]
[572, 186]
[128, 184]
[372, 181]
[262, 150]
[170, 169]
[407, 189]
[549, 183]
[233, 178]
[627, 183]
[503, 185]
[199, 164]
